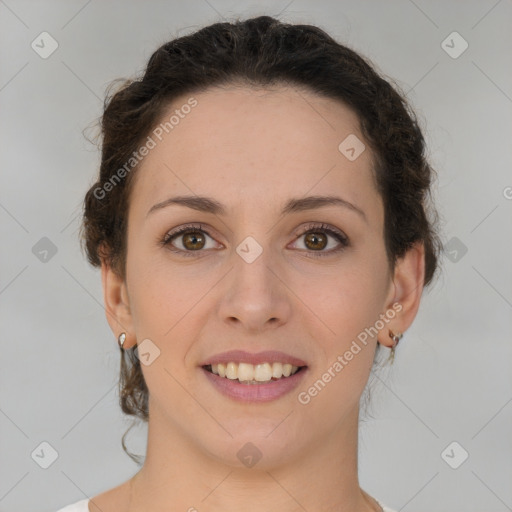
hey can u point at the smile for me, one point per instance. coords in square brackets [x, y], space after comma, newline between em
[247, 373]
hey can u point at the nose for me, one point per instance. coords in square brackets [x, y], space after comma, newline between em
[254, 296]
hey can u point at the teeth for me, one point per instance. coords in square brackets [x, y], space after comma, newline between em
[262, 372]
[246, 372]
[277, 370]
[232, 371]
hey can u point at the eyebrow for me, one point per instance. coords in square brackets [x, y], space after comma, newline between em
[210, 205]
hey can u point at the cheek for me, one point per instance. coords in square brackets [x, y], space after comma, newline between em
[164, 299]
[348, 304]
[152, 300]
[353, 294]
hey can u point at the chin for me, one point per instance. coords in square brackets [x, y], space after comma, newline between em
[257, 448]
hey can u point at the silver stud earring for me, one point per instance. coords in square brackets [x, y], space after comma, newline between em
[121, 339]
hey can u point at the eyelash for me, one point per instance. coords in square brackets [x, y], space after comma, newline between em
[310, 228]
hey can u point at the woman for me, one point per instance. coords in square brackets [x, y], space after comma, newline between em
[261, 223]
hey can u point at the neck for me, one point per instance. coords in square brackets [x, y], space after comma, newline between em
[178, 475]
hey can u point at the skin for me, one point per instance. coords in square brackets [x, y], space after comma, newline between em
[252, 150]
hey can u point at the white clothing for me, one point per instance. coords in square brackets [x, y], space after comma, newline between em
[81, 506]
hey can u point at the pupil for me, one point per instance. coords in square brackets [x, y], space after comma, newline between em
[314, 238]
[194, 239]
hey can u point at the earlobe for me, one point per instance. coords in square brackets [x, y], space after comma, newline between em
[117, 306]
[408, 282]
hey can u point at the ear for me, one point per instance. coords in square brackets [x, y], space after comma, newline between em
[117, 304]
[408, 282]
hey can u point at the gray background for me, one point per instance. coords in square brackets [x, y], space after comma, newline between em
[59, 360]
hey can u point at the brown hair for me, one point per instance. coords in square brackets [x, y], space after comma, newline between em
[260, 51]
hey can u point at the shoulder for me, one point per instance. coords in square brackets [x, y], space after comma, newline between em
[79, 506]
[384, 507]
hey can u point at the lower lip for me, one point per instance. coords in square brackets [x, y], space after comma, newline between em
[255, 392]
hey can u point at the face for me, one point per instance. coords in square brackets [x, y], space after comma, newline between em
[306, 282]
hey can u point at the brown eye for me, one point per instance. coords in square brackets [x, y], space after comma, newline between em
[193, 240]
[315, 241]
[188, 240]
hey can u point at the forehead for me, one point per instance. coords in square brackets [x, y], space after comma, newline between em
[248, 144]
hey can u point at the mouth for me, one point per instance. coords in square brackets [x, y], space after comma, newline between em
[257, 374]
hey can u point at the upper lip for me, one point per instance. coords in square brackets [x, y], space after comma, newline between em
[240, 356]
